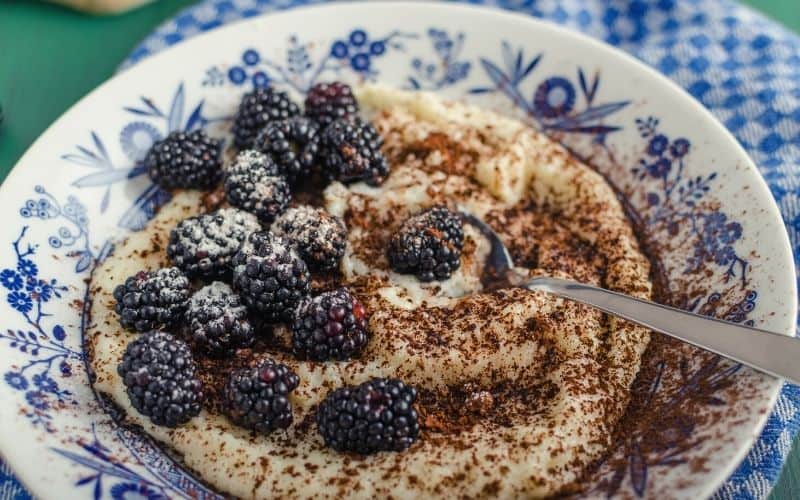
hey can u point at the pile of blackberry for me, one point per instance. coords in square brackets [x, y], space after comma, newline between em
[259, 276]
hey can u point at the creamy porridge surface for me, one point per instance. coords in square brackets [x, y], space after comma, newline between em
[519, 391]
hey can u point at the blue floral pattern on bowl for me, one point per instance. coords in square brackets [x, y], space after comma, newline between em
[668, 200]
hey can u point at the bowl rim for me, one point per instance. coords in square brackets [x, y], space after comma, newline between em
[493, 14]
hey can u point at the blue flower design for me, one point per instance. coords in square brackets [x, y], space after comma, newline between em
[730, 233]
[133, 491]
[20, 301]
[339, 50]
[136, 139]
[724, 255]
[377, 48]
[260, 79]
[658, 144]
[37, 399]
[45, 383]
[358, 38]
[251, 57]
[554, 97]
[659, 168]
[16, 380]
[679, 148]
[27, 268]
[39, 289]
[237, 75]
[10, 279]
[360, 62]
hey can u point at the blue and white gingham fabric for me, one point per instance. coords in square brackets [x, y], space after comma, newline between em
[742, 66]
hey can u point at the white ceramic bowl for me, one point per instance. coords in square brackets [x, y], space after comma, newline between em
[712, 224]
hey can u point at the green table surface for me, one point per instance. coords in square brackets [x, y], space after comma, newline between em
[52, 56]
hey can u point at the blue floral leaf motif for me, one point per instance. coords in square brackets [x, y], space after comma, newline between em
[600, 111]
[139, 112]
[196, 119]
[103, 467]
[502, 82]
[98, 490]
[59, 333]
[413, 83]
[100, 147]
[32, 336]
[104, 178]
[80, 160]
[85, 480]
[508, 55]
[529, 67]
[175, 117]
[638, 471]
[481, 90]
[84, 262]
[105, 201]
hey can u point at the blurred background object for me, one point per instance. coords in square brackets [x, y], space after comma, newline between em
[102, 6]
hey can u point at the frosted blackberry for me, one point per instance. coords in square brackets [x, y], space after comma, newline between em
[257, 397]
[319, 236]
[189, 160]
[150, 300]
[161, 379]
[292, 144]
[350, 151]
[332, 325]
[377, 415]
[202, 246]
[258, 108]
[254, 184]
[217, 321]
[428, 245]
[326, 102]
[270, 277]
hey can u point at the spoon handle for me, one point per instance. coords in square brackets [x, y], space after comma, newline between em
[768, 352]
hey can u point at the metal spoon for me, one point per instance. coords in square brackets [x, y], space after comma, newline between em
[768, 352]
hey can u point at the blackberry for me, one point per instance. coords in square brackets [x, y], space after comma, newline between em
[257, 397]
[350, 151]
[428, 245]
[318, 236]
[253, 183]
[270, 276]
[189, 160]
[292, 143]
[258, 108]
[202, 246]
[377, 415]
[332, 325]
[152, 299]
[326, 102]
[217, 320]
[161, 379]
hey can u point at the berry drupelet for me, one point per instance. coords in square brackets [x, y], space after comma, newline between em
[189, 160]
[332, 325]
[152, 299]
[428, 245]
[202, 246]
[217, 321]
[326, 102]
[292, 144]
[350, 151]
[161, 379]
[320, 237]
[254, 184]
[377, 415]
[270, 277]
[258, 108]
[257, 397]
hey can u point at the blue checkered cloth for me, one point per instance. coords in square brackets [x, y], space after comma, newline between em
[740, 65]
